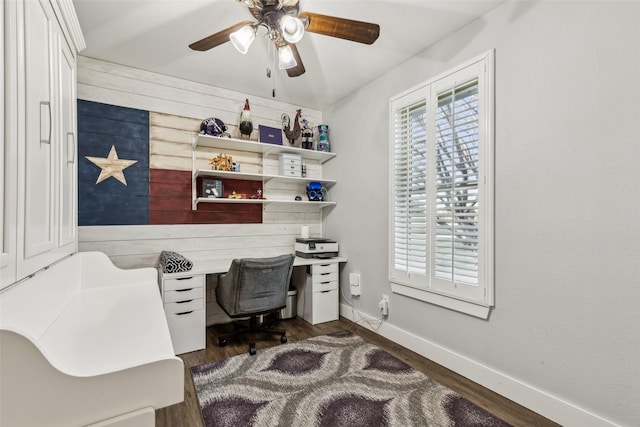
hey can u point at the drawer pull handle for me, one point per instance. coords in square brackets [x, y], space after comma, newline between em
[324, 274]
[324, 292]
[45, 128]
[185, 278]
[182, 302]
[184, 312]
[325, 283]
[184, 290]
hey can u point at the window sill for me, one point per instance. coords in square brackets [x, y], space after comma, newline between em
[466, 307]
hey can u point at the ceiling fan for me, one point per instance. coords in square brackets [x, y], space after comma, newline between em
[285, 27]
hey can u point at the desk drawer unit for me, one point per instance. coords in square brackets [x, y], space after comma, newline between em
[184, 307]
[320, 296]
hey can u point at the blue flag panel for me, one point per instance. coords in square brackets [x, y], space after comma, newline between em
[113, 165]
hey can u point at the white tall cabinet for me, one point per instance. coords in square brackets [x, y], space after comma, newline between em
[42, 39]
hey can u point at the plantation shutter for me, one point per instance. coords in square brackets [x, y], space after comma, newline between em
[456, 204]
[410, 206]
[441, 215]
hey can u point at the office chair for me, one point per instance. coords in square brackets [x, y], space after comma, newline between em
[253, 287]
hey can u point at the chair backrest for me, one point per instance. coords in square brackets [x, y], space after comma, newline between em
[255, 285]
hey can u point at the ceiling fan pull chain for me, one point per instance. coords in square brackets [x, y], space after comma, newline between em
[268, 56]
[272, 49]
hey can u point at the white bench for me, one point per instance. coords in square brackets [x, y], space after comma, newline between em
[86, 343]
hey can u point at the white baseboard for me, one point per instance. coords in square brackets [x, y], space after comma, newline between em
[541, 402]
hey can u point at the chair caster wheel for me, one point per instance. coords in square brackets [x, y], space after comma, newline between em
[222, 342]
[283, 339]
[252, 351]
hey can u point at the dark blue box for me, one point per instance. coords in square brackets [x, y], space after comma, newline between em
[270, 135]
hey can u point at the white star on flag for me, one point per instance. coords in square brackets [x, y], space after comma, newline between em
[111, 166]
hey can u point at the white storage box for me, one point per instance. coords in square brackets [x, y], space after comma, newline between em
[291, 165]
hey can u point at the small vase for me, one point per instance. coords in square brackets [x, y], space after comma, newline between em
[323, 138]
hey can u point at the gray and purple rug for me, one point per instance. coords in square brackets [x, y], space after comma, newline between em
[330, 380]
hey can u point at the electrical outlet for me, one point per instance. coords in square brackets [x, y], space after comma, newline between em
[354, 282]
[384, 305]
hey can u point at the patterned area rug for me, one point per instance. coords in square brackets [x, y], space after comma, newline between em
[330, 380]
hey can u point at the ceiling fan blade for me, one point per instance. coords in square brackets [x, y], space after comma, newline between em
[356, 31]
[298, 70]
[218, 38]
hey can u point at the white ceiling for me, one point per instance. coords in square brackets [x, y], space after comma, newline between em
[154, 35]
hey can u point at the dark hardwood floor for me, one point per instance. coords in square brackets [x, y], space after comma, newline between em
[187, 413]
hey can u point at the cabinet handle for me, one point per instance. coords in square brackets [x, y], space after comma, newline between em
[325, 283]
[45, 131]
[185, 278]
[184, 290]
[183, 313]
[185, 301]
[324, 292]
[71, 143]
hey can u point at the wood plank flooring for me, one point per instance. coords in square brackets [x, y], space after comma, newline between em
[187, 413]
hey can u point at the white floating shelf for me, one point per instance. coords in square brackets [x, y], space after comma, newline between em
[210, 173]
[261, 201]
[259, 147]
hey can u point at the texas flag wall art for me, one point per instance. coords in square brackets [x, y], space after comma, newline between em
[117, 184]
[113, 165]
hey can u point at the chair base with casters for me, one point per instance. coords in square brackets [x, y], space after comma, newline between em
[251, 327]
[254, 287]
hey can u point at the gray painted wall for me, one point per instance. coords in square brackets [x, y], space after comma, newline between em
[567, 318]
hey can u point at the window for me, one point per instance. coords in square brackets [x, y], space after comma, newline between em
[441, 208]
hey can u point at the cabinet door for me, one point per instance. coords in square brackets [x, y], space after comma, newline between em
[67, 136]
[38, 186]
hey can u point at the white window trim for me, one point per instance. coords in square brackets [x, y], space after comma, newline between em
[475, 308]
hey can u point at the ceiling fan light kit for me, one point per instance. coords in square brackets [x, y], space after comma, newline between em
[285, 27]
[292, 28]
[286, 59]
[243, 38]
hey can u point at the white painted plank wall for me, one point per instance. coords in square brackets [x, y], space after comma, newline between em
[177, 106]
[195, 241]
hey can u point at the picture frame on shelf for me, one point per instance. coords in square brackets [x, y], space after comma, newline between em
[212, 188]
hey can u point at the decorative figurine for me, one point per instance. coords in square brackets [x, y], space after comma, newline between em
[294, 134]
[214, 127]
[222, 162]
[246, 124]
[307, 135]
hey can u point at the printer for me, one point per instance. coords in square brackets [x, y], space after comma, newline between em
[316, 248]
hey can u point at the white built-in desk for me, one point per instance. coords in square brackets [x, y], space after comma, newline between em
[184, 297]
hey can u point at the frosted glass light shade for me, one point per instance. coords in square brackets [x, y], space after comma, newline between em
[242, 38]
[291, 28]
[285, 57]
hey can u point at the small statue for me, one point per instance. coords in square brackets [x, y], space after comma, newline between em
[222, 162]
[246, 124]
[294, 134]
[307, 135]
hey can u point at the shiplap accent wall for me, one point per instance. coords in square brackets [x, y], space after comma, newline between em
[177, 107]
